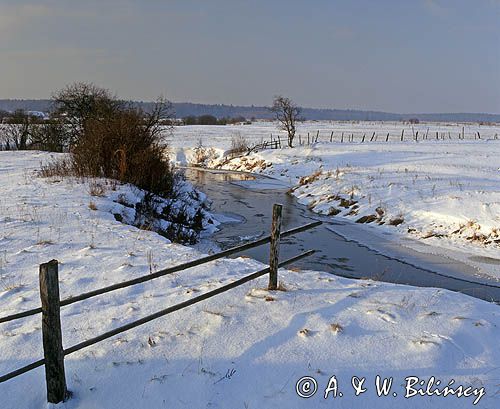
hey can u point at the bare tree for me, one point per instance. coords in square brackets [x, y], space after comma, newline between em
[287, 113]
[81, 102]
[18, 130]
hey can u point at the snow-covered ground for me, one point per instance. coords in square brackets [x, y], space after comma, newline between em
[445, 193]
[220, 136]
[245, 348]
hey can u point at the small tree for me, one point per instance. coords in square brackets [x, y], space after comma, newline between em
[18, 130]
[287, 113]
[50, 136]
[79, 103]
[107, 137]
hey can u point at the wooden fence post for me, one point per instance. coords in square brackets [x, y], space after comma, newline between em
[51, 333]
[275, 247]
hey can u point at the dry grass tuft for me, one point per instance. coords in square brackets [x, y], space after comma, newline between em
[96, 189]
[304, 332]
[336, 328]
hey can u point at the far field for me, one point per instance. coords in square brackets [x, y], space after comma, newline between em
[440, 185]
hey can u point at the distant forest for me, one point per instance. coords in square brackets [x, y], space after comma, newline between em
[185, 109]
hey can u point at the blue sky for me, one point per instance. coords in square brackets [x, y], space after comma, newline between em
[399, 56]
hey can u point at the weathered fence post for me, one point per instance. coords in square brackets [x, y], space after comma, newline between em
[274, 247]
[51, 333]
[331, 137]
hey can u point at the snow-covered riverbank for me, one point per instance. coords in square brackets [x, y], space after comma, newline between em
[245, 348]
[443, 193]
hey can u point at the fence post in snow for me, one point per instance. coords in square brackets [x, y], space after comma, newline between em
[275, 247]
[51, 333]
[331, 137]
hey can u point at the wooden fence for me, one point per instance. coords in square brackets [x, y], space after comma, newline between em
[51, 303]
[382, 136]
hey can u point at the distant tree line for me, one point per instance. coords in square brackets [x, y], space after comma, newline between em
[212, 120]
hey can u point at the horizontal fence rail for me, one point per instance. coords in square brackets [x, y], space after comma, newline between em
[54, 352]
[156, 315]
[161, 273]
[183, 304]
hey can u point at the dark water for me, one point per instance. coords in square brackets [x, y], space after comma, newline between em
[252, 207]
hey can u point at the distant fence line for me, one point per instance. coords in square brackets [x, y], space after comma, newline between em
[413, 135]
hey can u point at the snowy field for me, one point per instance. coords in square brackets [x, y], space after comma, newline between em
[246, 348]
[445, 193]
[220, 136]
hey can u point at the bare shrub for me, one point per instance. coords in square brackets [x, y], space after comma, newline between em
[202, 154]
[239, 145]
[108, 138]
[61, 167]
[96, 189]
[124, 147]
[16, 134]
[50, 136]
[80, 102]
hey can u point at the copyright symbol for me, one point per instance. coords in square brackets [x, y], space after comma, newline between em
[306, 387]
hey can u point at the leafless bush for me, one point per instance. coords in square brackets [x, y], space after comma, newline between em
[96, 189]
[239, 145]
[61, 167]
[202, 154]
[16, 133]
[108, 138]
